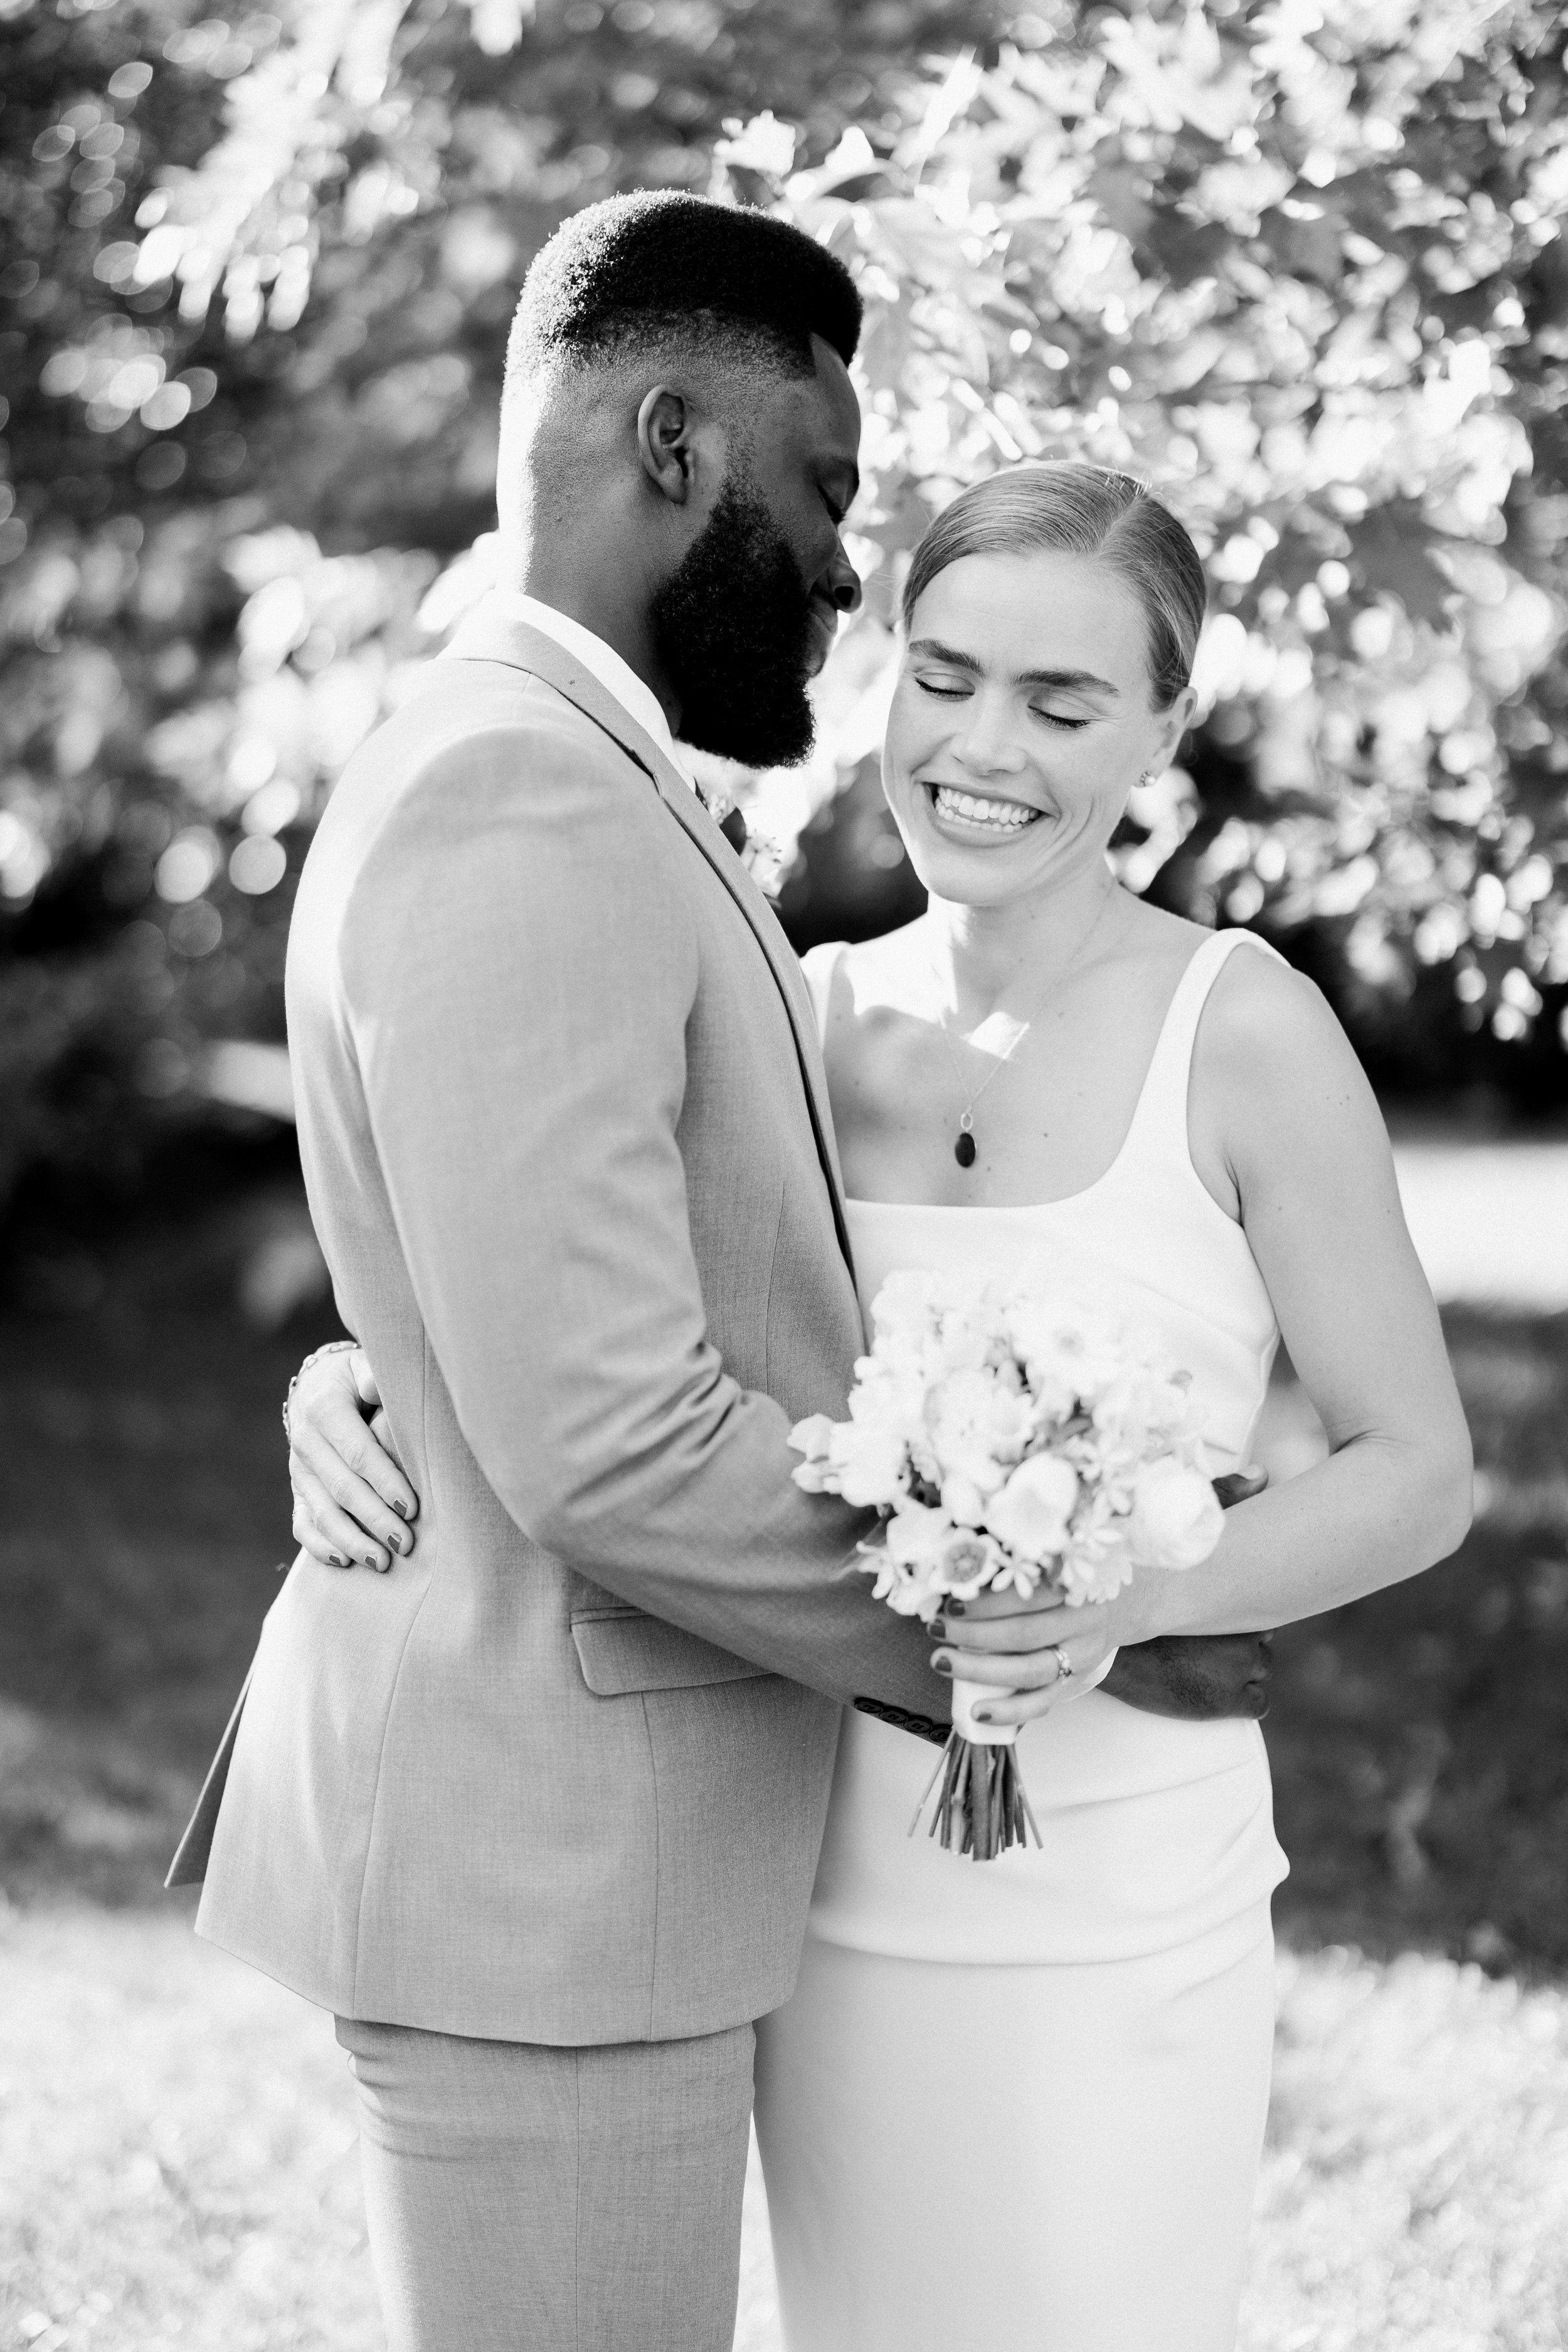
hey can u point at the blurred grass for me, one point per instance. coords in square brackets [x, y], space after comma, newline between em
[175, 2158]
[178, 2163]
[144, 1514]
[177, 2169]
[1419, 1740]
[1413, 2195]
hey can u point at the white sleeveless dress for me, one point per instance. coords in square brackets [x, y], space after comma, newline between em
[1020, 2104]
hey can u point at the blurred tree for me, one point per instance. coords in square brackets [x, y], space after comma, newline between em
[253, 306]
[1300, 267]
[1298, 264]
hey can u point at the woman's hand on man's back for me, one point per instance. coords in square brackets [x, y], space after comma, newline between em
[353, 1505]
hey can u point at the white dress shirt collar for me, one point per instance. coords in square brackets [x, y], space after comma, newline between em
[616, 676]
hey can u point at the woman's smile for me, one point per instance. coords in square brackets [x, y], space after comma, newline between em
[975, 817]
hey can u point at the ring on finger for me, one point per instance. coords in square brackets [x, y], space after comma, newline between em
[1064, 1664]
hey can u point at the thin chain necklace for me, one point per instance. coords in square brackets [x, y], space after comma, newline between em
[964, 1145]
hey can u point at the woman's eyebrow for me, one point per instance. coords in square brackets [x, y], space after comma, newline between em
[1061, 680]
[932, 649]
[1069, 681]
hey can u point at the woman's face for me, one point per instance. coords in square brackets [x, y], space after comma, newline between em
[1022, 720]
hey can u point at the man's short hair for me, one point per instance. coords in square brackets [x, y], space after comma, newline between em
[670, 268]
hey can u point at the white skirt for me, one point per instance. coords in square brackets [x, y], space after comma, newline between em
[1055, 2158]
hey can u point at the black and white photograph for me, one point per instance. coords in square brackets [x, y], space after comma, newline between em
[784, 1176]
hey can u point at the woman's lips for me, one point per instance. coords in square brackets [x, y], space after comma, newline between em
[980, 816]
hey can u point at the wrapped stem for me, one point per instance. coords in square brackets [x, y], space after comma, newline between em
[982, 1806]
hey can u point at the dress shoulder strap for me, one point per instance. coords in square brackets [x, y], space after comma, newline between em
[819, 965]
[1160, 1120]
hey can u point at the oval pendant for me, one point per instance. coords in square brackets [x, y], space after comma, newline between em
[963, 1149]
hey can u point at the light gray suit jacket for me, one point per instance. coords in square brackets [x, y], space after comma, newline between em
[562, 1776]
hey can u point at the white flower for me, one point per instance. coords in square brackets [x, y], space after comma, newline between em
[1020, 1576]
[814, 1436]
[1031, 1513]
[1176, 1517]
[978, 1425]
[886, 1387]
[968, 1563]
[865, 1459]
[870, 1462]
[906, 1309]
[1094, 1566]
[958, 1419]
[1070, 1355]
[910, 1560]
[962, 1500]
[924, 1557]
[917, 1535]
[1009, 1422]
[961, 1398]
[1142, 1409]
[1033, 1336]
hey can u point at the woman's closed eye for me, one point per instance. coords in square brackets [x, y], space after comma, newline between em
[946, 686]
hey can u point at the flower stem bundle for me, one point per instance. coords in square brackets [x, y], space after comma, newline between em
[982, 1805]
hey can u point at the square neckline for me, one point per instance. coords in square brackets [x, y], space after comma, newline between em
[1066, 1199]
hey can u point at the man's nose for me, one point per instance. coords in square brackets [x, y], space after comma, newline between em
[843, 584]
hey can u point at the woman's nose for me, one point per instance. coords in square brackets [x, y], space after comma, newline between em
[987, 741]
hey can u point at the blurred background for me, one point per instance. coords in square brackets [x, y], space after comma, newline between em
[1299, 264]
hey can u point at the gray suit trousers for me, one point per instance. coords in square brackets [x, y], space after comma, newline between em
[525, 2198]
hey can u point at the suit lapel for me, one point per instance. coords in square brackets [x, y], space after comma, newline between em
[490, 635]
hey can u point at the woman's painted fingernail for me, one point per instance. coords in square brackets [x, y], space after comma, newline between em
[981, 1713]
[942, 1666]
[337, 1559]
[937, 1629]
[395, 1542]
[954, 1608]
[402, 1510]
[373, 1559]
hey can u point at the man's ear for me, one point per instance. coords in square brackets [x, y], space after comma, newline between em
[664, 443]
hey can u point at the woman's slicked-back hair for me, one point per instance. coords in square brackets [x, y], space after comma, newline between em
[1082, 511]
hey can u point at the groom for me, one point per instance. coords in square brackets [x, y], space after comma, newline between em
[538, 1815]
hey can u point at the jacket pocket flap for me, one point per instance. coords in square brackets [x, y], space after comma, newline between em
[636, 1653]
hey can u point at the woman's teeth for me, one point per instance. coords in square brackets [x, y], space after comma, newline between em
[1007, 816]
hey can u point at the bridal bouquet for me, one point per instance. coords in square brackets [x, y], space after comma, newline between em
[1010, 1440]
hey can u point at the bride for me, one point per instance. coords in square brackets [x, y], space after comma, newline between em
[1022, 2103]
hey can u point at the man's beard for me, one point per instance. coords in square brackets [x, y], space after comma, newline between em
[732, 628]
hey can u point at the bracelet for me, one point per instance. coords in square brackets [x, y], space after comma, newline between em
[332, 1348]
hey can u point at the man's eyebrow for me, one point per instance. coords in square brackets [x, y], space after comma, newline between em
[932, 649]
[850, 470]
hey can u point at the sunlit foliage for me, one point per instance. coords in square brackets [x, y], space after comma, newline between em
[1301, 269]
[1299, 264]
